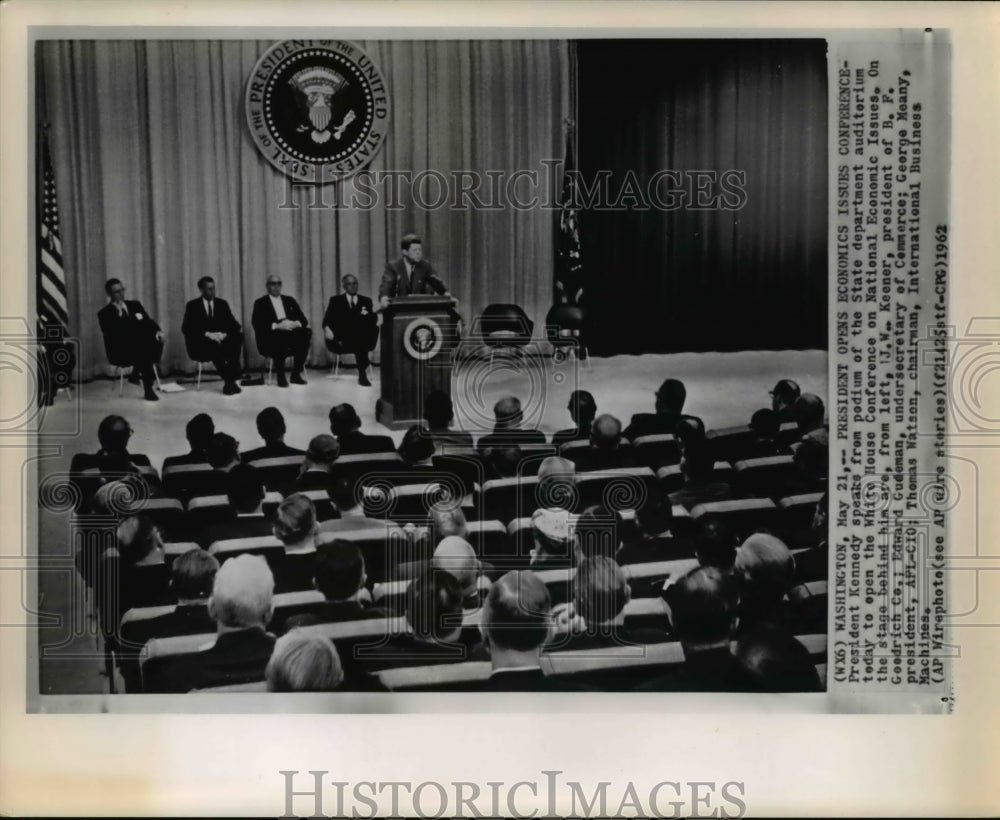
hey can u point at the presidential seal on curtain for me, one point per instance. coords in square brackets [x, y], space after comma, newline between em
[317, 109]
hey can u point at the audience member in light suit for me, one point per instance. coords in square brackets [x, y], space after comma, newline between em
[350, 325]
[282, 330]
[132, 338]
[211, 333]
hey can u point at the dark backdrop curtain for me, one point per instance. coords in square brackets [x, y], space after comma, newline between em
[159, 182]
[715, 279]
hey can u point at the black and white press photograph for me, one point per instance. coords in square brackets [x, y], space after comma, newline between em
[430, 366]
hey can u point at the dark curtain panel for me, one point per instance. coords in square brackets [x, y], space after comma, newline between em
[705, 276]
[159, 181]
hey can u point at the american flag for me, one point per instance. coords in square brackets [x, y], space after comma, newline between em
[51, 276]
[569, 265]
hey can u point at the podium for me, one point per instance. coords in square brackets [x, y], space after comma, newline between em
[419, 335]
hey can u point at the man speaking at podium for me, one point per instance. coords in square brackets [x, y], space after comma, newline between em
[409, 274]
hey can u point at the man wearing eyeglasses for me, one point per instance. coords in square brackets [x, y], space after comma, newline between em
[132, 338]
[282, 330]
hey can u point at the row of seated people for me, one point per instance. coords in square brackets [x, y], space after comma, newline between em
[594, 443]
[712, 626]
[337, 570]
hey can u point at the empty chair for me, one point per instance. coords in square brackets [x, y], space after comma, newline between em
[731, 443]
[765, 477]
[186, 481]
[564, 328]
[742, 516]
[505, 499]
[279, 473]
[618, 489]
[502, 325]
[656, 451]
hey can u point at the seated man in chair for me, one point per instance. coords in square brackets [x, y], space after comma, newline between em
[211, 333]
[282, 330]
[350, 326]
[132, 337]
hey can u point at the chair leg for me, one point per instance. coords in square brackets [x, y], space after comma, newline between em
[336, 371]
[121, 382]
[156, 375]
[270, 363]
[198, 386]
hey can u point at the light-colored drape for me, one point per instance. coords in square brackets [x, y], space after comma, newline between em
[159, 182]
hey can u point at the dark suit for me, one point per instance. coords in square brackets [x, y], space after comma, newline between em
[355, 329]
[278, 344]
[237, 657]
[357, 443]
[225, 355]
[293, 572]
[593, 458]
[505, 438]
[571, 434]
[396, 281]
[191, 619]
[194, 457]
[713, 670]
[274, 450]
[130, 338]
[652, 424]
[333, 612]
[245, 526]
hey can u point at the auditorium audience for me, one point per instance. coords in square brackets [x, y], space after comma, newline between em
[783, 396]
[703, 610]
[508, 417]
[670, 398]
[607, 450]
[339, 574]
[765, 569]
[557, 484]
[245, 493]
[597, 532]
[715, 544]
[771, 660]
[223, 452]
[439, 414]
[654, 540]
[700, 485]
[582, 409]
[812, 460]
[455, 555]
[346, 426]
[303, 663]
[271, 428]
[199, 432]
[111, 461]
[502, 461]
[417, 448]
[813, 564]
[295, 526]
[808, 411]
[765, 425]
[317, 464]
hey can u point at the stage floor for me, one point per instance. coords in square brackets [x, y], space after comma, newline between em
[724, 389]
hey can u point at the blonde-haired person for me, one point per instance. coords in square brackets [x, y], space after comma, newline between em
[303, 663]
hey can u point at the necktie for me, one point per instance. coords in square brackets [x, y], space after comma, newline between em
[351, 300]
[122, 309]
[211, 310]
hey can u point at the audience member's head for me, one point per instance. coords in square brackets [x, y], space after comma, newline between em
[715, 543]
[434, 606]
[138, 539]
[417, 446]
[765, 424]
[271, 425]
[455, 555]
[606, 432]
[343, 419]
[504, 460]
[703, 608]
[507, 413]
[596, 532]
[600, 591]
[438, 410]
[808, 411]
[773, 661]
[199, 432]
[670, 398]
[223, 452]
[582, 408]
[323, 450]
[690, 432]
[192, 575]
[295, 521]
[552, 530]
[557, 483]
[822, 514]
[343, 491]
[113, 434]
[698, 463]
[303, 663]
[784, 394]
[242, 596]
[339, 570]
[444, 520]
[655, 514]
[765, 567]
[516, 616]
[245, 489]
